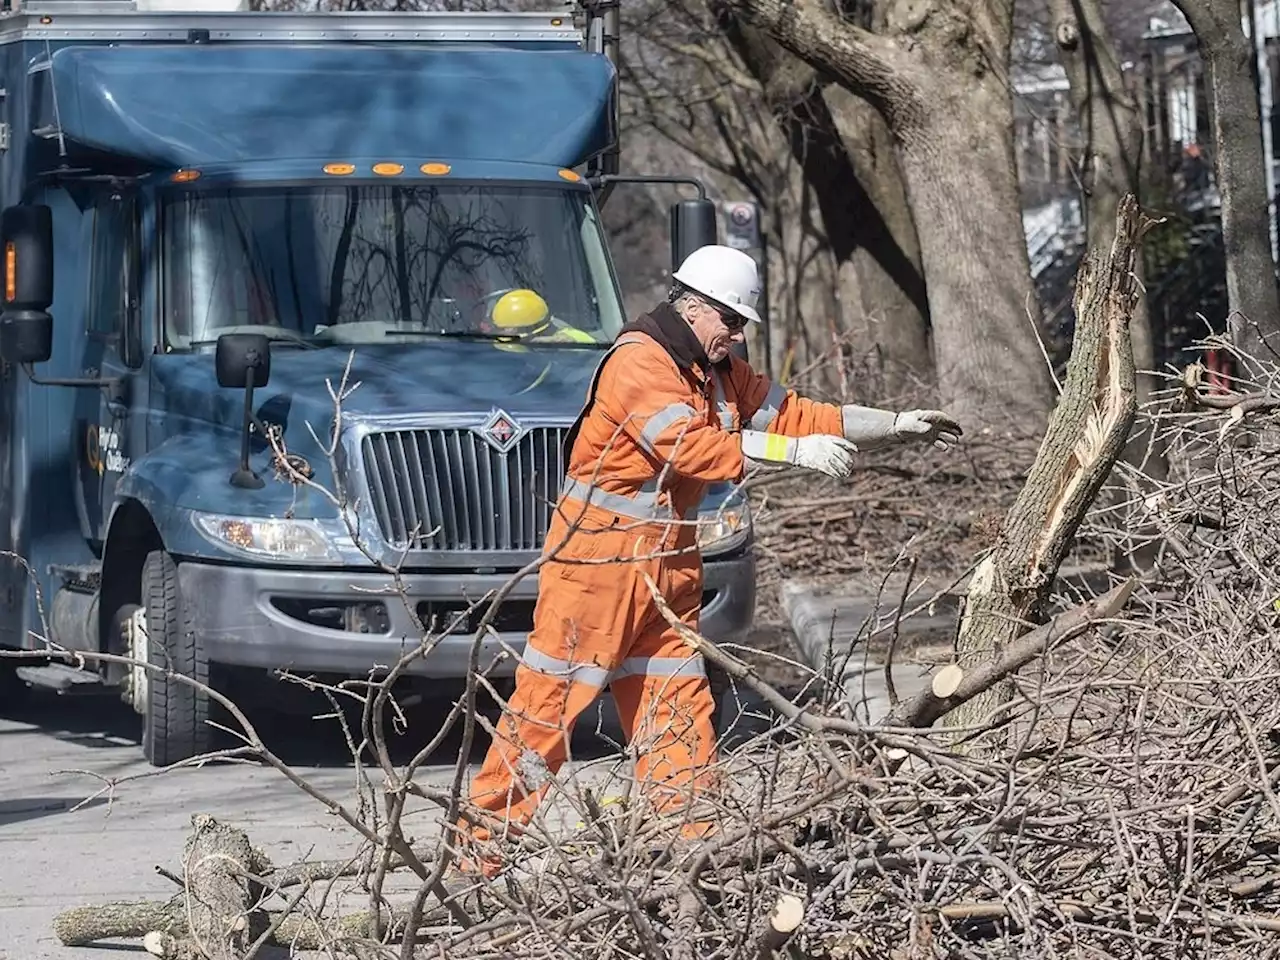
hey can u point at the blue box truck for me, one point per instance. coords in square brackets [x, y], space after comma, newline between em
[209, 219]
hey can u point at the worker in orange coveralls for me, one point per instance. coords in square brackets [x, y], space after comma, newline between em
[669, 410]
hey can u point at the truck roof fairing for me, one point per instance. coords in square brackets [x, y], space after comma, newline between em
[178, 105]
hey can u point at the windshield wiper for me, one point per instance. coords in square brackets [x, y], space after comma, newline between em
[455, 334]
[502, 338]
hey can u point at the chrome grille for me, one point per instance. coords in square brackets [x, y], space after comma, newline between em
[448, 489]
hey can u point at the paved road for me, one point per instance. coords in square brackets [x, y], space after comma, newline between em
[54, 856]
[54, 754]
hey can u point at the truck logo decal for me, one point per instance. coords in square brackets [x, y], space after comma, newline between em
[93, 452]
[501, 431]
[102, 450]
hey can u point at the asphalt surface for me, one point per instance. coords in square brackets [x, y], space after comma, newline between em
[69, 839]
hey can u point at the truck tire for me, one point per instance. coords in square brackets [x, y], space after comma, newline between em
[14, 693]
[174, 714]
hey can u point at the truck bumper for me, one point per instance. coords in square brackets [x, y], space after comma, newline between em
[322, 621]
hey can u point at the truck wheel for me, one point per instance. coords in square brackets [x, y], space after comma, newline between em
[174, 714]
[14, 693]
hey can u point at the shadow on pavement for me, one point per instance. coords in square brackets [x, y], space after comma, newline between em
[306, 732]
[35, 808]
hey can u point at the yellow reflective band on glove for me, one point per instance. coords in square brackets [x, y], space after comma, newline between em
[821, 452]
[771, 447]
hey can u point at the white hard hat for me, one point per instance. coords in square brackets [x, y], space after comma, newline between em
[725, 275]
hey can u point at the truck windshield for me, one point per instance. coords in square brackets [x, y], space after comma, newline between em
[381, 264]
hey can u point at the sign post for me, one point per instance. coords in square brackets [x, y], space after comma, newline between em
[742, 232]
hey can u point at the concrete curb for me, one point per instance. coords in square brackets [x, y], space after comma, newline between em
[847, 627]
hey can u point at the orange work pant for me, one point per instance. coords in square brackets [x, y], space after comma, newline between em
[595, 623]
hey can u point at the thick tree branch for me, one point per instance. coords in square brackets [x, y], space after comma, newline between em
[1081, 445]
[866, 64]
[925, 708]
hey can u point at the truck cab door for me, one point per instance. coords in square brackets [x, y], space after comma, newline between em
[112, 433]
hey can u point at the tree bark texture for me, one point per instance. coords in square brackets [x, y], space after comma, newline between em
[133, 920]
[1084, 438]
[882, 284]
[221, 911]
[845, 152]
[216, 861]
[1241, 175]
[938, 74]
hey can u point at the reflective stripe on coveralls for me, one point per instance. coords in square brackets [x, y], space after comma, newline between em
[595, 625]
[645, 422]
[762, 418]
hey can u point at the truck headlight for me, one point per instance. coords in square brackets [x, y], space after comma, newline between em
[266, 537]
[724, 527]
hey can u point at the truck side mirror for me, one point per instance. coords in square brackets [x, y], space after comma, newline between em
[693, 225]
[26, 238]
[244, 360]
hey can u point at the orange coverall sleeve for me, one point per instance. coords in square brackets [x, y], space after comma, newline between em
[770, 407]
[644, 393]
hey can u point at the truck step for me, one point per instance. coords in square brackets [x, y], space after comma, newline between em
[59, 677]
[86, 576]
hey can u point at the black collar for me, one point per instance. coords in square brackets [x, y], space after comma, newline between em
[676, 336]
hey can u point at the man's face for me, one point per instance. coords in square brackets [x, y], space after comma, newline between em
[716, 332]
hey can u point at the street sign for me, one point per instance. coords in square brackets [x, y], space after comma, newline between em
[742, 225]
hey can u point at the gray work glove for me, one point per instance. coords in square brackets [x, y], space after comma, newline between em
[821, 452]
[871, 428]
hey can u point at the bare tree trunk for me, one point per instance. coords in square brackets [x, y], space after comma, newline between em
[1241, 176]
[959, 169]
[1080, 447]
[1111, 118]
[939, 77]
[847, 160]
[882, 281]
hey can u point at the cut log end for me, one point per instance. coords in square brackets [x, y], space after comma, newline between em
[784, 921]
[947, 681]
[169, 947]
[787, 914]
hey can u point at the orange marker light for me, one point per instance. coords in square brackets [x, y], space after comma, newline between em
[435, 169]
[388, 169]
[339, 169]
[10, 272]
[185, 176]
[570, 176]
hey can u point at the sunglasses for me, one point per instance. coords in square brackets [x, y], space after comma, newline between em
[732, 321]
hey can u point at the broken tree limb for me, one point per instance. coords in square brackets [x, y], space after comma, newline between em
[81, 926]
[926, 707]
[217, 862]
[783, 921]
[137, 920]
[1084, 438]
[220, 911]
